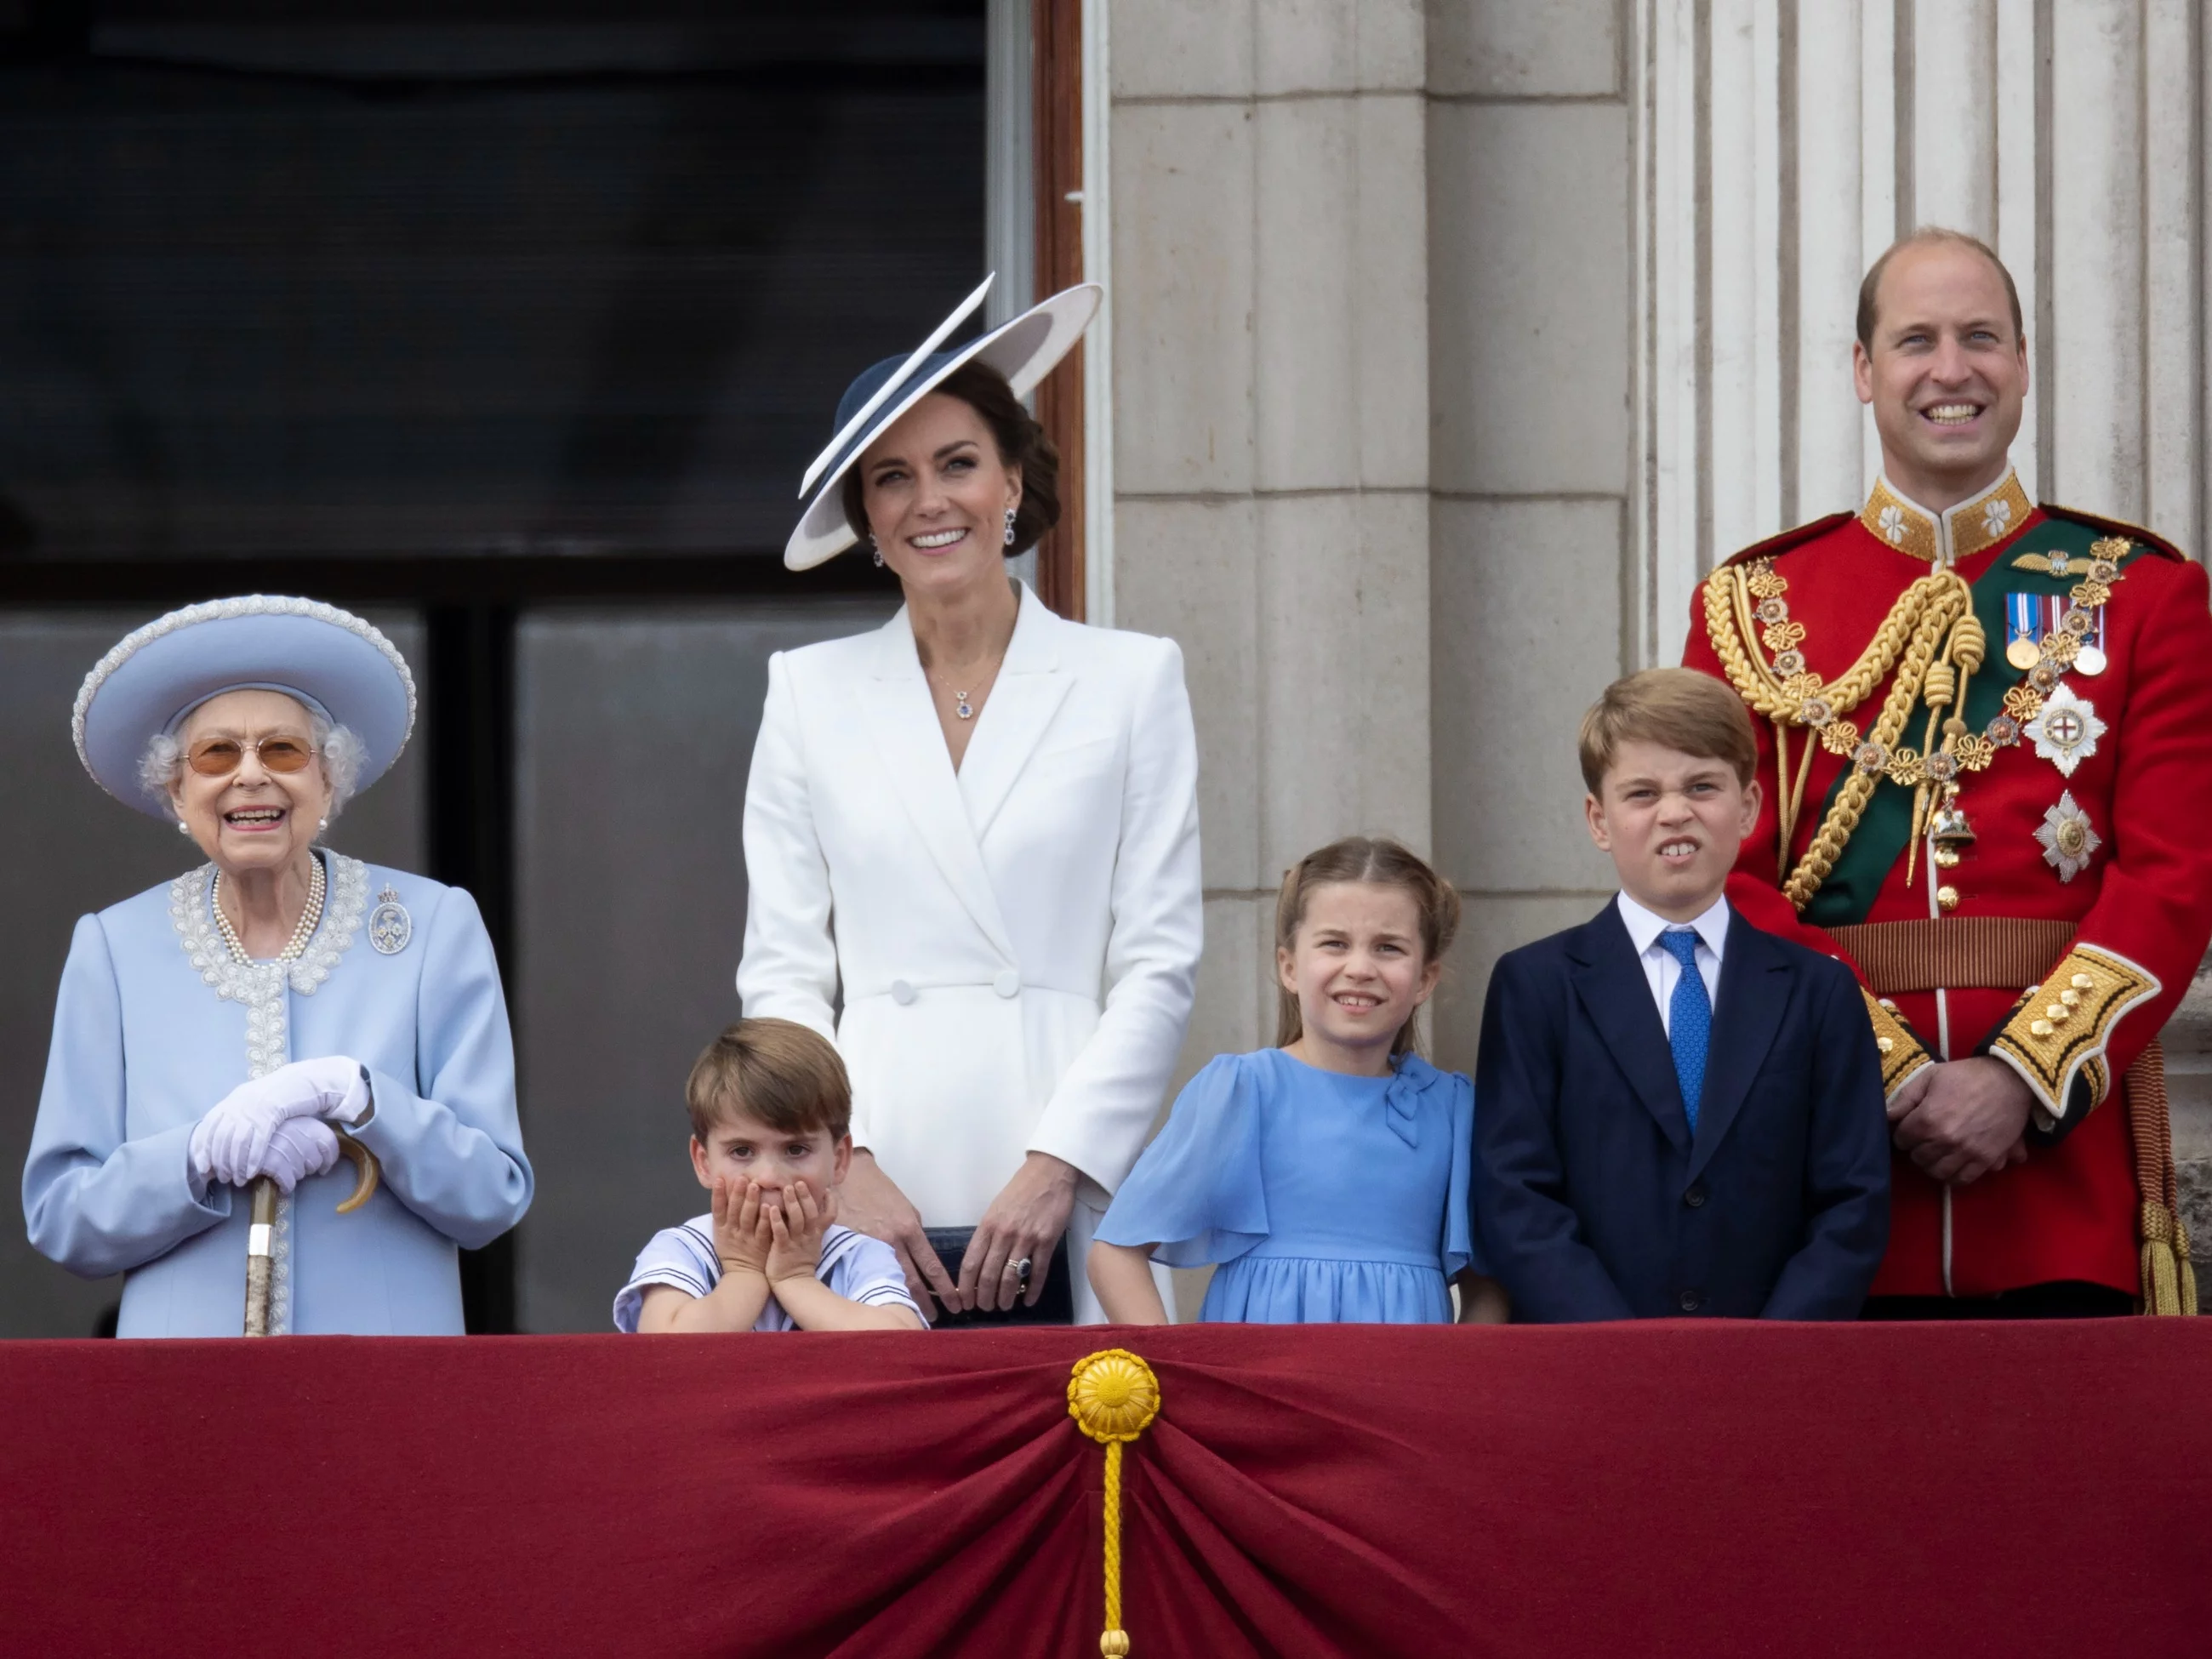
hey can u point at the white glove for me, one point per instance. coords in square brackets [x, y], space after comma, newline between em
[302, 1147]
[231, 1143]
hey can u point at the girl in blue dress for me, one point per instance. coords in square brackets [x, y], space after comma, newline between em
[1325, 1178]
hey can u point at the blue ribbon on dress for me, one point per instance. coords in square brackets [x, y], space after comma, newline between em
[1414, 1078]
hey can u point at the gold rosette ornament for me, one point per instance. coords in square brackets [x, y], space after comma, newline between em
[1113, 1397]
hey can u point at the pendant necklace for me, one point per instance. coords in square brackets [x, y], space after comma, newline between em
[962, 706]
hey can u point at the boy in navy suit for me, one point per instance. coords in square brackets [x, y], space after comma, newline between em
[1675, 1113]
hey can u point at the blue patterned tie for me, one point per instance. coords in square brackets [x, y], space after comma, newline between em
[1689, 1019]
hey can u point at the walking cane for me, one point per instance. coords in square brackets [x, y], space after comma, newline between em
[263, 1228]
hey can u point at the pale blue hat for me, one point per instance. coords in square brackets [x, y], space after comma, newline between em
[331, 659]
[1024, 350]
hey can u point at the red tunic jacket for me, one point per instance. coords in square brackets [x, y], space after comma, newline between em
[2141, 905]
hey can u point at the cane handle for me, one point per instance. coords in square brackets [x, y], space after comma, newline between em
[366, 1173]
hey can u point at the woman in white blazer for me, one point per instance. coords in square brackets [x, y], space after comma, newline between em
[977, 827]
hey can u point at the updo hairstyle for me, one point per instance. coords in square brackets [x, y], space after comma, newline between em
[1021, 443]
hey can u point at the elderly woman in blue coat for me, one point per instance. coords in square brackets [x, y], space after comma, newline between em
[233, 1023]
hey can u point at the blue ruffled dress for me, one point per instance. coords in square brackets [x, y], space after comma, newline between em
[1322, 1198]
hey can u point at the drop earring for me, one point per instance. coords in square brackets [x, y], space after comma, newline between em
[875, 552]
[1010, 526]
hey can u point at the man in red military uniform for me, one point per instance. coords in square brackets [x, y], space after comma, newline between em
[1986, 746]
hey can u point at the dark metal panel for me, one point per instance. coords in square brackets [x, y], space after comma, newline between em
[633, 734]
[255, 308]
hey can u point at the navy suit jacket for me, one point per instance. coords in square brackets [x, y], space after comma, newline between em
[1593, 1199]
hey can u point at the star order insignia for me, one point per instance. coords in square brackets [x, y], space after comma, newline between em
[2065, 729]
[2068, 840]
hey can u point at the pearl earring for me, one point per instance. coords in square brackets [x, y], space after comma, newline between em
[322, 826]
[184, 828]
[1010, 526]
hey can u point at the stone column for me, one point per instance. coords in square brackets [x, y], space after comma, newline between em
[1781, 146]
[1529, 143]
[1271, 369]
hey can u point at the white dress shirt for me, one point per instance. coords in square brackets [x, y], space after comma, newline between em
[1661, 970]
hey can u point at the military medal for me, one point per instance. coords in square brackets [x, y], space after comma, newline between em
[2065, 729]
[389, 927]
[2086, 622]
[2090, 658]
[2030, 618]
[2068, 840]
[2023, 630]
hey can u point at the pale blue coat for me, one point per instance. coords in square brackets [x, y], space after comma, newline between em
[155, 1024]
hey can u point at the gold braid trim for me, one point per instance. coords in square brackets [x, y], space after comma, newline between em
[1901, 1051]
[1729, 621]
[1948, 596]
[2063, 1029]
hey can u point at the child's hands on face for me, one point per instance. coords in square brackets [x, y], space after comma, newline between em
[796, 1227]
[742, 1234]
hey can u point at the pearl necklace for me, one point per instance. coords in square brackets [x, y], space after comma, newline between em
[311, 917]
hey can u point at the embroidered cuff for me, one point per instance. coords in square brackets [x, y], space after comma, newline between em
[2055, 1038]
[1902, 1052]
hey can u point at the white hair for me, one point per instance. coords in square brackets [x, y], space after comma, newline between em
[341, 753]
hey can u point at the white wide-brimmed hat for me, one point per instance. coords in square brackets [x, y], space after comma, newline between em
[1024, 350]
[331, 659]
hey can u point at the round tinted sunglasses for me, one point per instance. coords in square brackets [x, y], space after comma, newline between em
[215, 757]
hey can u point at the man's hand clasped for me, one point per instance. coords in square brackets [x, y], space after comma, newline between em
[1961, 1120]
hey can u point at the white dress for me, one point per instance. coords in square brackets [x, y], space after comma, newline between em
[1014, 944]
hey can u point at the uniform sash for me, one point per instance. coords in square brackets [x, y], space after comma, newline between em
[1885, 829]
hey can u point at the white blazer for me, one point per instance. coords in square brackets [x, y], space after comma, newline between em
[1015, 942]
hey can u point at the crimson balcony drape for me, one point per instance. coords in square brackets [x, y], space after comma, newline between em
[1696, 1489]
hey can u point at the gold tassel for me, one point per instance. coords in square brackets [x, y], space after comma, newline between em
[2184, 1269]
[2161, 1289]
[2169, 1282]
[1113, 1397]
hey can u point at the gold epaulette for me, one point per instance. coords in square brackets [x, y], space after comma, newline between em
[1902, 1053]
[2150, 538]
[1775, 546]
[2061, 1030]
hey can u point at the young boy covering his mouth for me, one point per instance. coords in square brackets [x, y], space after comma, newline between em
[771, 1116]
[1677, 1113]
